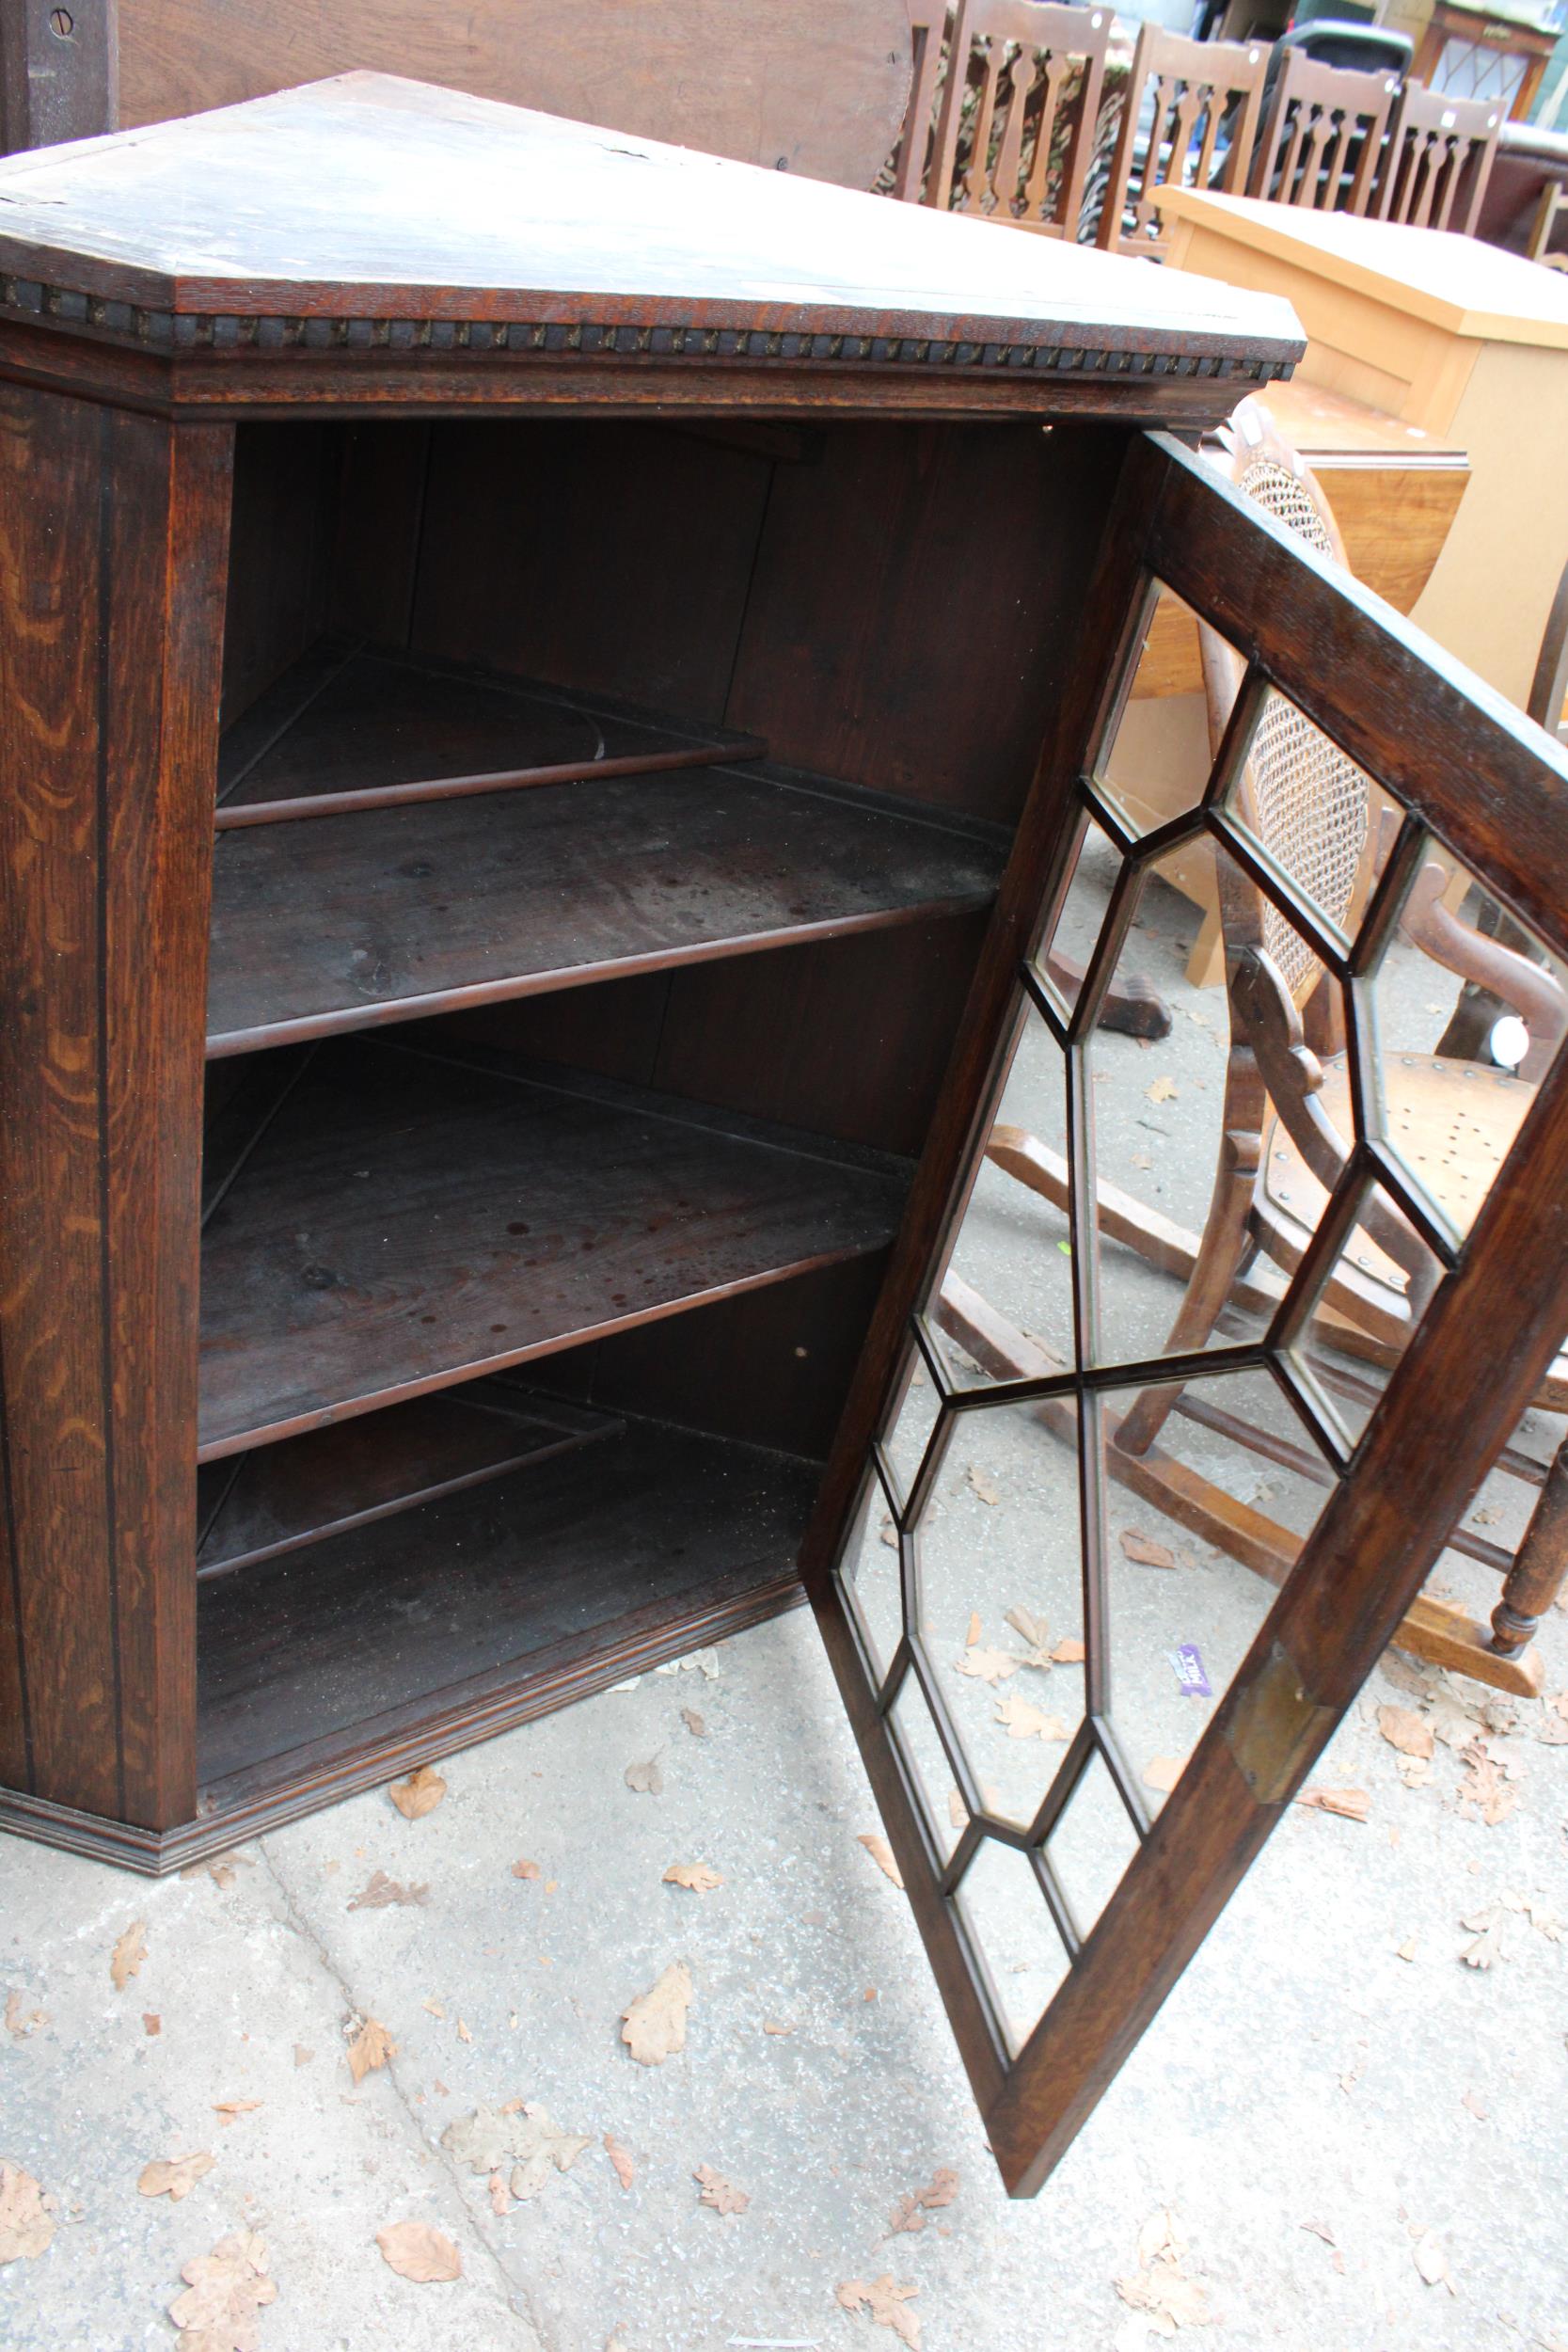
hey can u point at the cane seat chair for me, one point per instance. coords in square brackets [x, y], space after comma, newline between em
[1287, 1121]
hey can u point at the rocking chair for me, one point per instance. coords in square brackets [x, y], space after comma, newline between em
[1286, 1124]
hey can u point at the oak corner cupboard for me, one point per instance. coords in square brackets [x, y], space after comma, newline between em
[544, 684]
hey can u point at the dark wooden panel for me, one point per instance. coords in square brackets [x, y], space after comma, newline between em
[110, 621]
[536, 1570]
[770, 1368]
[914, 603]
[282, 1496]
[406, 1223]
[660, 529]
[59, 71]
[612, 1028]
[378, 520]
[353, 920]
[850, 1037]
[283, 481]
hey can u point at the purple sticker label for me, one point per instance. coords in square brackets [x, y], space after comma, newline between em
[1188, 1662]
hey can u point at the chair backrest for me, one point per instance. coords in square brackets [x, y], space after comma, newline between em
[1306, 802]
[1189, 119]
[1019, 113]
[1323, 136]
[1436, 148]
[929, 21]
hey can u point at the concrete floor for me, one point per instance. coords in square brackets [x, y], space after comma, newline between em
[1330, 2093]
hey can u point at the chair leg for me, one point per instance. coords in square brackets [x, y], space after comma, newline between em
[1133, 1007]
[1219, 1254]
[1540, 1565]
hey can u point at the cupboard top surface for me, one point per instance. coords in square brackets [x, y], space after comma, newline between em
[375, 198]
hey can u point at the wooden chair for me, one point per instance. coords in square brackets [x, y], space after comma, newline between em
[1287, 1131]
[1436, 146]
[1197, 89]
[928, 26]
[1323, 136]
[1021, 105]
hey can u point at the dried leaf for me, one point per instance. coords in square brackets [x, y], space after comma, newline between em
[1486, 1793]
[975, 1629]
[1026, 1722]
[128, 1954]
[696, 1875]
[1160, 2286]
[1163, 1773]
[1405, 1950]
[1352, 1804]
[224, 2290]
[302, 2056]
[525, 1870]
[151, 2023]
[626, 2170]
[437, 2008]
[417, 2250]
[1433, 2262]
[463, 2033]
[654, 2024]
[957, 1812]
[501, 2196]
[370, 2048]
[1405, 1731]
[1415, 1771]
[989, 1666]
[174, 2176]
[775, 2025]
[910, 2213]
[1035, 1631]
[717, 2192]
[1163, 1090]
[230, 2108]
[1320, 2228]
[1067, 1652]
[694, 1723]
[26, 2214]
[380, 1892]
[984, 1487]
[1497, 1929]
[882, 1855]
[1145, 1550]
[1476, 2106]
[23, 2021]
[419, 1794]
[887, 2304]
[646, 1779]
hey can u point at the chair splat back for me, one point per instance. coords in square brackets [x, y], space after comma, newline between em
[1438, 160]
[1182, 97]
[1301, 798]
[1018, 112]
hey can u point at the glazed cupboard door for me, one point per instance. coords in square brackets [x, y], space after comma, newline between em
[1192, 1356]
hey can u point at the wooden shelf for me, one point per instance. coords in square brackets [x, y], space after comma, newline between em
[339, 925]
[346, 727]
[255, 1507]
[486, 1606]
[399, 1223]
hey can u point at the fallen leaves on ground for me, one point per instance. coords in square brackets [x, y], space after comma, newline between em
[150, 2021]
[989, 1666]
[1160, 2286]
[1145, 1550]
[1352, 1804]
[129, 1952]
[1431, 2262]
[418, 2251]
[26, 2214]
[419, 1794]
[1035, 1631]
[911, 2212]
[1405, 1731]
[369, 2048]
[984, 1487]
[975, 1629]
[717, 2192]
[884, 2302]
[695, 1875]
[174, 2176]
[1499, 1929]
[380, 1891]
[1069, 1652]
[227, 2109]
[776, 2026]
[654, 2026]
[646, 1779]
[525, 1870]
[526, 2136]
[626, 2169]
[694, 1723]
[1163, 1090]
[1487, 1793]
[882, 1855]
[21, 2022]
[224, 2292]
[1163, 1773]
[1026, 1722]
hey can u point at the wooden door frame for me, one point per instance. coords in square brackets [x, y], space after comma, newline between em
[1492, 787]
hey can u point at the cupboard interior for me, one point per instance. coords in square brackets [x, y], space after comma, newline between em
[608, 817]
